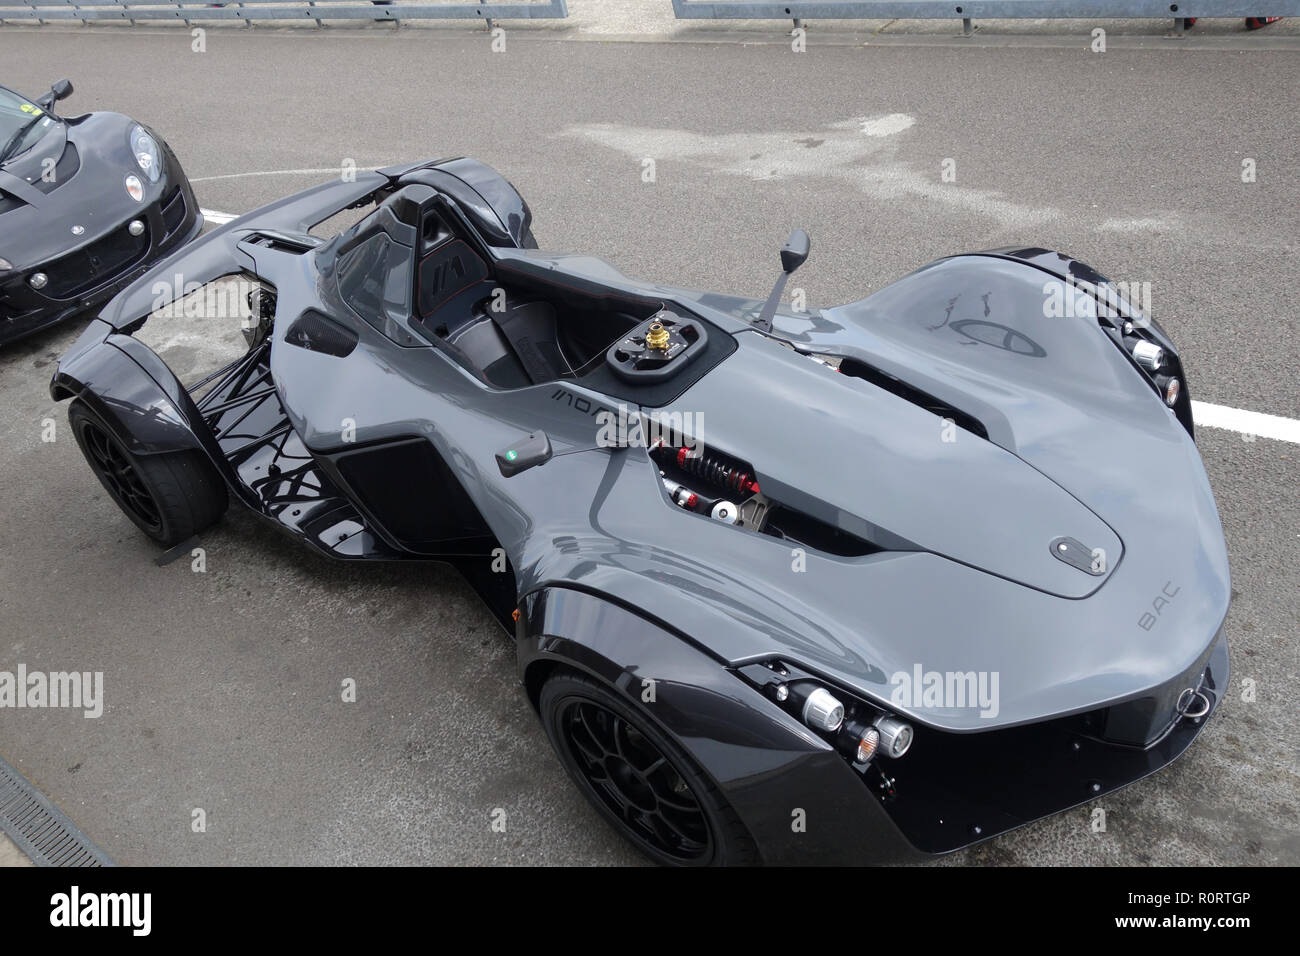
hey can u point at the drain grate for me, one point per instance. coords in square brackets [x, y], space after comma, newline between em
[39, 828]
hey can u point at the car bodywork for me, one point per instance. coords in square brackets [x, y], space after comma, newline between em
[65, 214]
[922, 454]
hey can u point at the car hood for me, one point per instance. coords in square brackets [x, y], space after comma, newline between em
[93, 196]
[1078, 446]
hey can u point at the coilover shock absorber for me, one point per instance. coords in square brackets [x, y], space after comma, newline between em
[714, 469]
[718, 470]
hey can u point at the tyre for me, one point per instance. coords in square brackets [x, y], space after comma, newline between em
[638, 778]
[170, 497]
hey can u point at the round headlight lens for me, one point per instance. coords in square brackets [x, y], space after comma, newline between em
[38, 280]
[822, 711]
[135, 188]
[1149, 355]
[895, 736]
[147, 154]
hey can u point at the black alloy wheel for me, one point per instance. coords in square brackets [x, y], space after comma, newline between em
[115, 468]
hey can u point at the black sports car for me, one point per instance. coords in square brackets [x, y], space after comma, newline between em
[87, 204]
[844, 584]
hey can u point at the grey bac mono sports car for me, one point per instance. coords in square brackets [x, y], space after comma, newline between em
[842, 584]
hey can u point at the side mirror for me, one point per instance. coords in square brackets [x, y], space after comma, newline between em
[795, 250]
[528, 452]
[61, 90]
[793, 254]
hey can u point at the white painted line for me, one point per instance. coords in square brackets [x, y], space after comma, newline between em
[1248, 423]
[327, 170]
[218, 218]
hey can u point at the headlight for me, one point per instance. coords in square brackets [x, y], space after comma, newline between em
[147, 154]
[134, 188]
[859, 731]
[895, 736]
[5, 264]
[1149, 355]
[822, 711]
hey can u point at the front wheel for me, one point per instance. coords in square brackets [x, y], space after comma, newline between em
[170, 497]
[638, 778]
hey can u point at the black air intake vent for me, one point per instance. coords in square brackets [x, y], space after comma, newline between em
[698, 479]
[67, 166]
[318, 333]
[794, 525]
[294, 244]
[914, 395]
[173, 210]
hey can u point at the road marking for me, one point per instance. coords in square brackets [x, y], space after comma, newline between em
[1248, 423]
[218, 218]
[335, 170]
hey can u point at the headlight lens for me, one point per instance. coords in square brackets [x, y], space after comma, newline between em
[822, 711]
[5, 264]
[895, 736]
[134, 188]
[1149, 355]
[147, 154]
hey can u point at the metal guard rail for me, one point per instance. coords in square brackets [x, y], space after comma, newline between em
[249, 10]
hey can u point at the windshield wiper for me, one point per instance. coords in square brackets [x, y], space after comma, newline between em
[17, 137]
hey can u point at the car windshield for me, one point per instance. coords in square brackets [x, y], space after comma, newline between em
[22, 123]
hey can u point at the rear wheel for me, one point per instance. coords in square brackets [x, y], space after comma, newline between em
[638, 778]
[170, 497]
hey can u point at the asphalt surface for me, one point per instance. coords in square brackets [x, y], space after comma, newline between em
[223, 688]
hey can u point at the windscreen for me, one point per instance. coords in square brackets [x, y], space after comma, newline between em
[22, 123]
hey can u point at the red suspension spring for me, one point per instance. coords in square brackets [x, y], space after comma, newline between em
[716, 471]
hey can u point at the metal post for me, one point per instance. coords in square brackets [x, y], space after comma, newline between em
[967, 27]
[798, 24]
[312, 4]
[1178, 27]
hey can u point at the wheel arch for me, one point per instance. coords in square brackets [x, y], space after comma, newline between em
[108, 374]
[765, 762]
